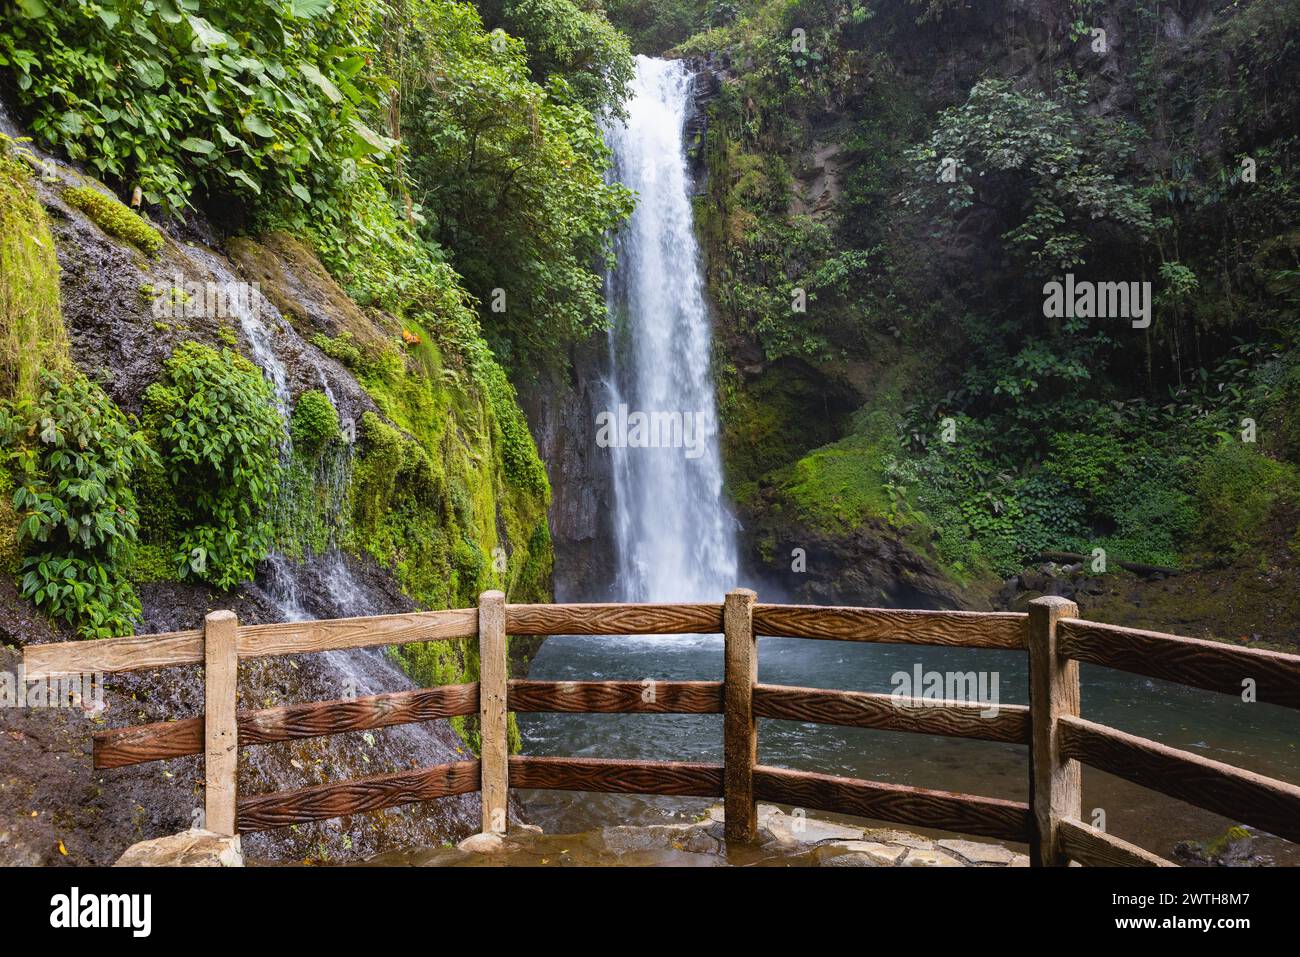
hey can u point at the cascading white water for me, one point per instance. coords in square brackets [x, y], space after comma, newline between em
[674, 536]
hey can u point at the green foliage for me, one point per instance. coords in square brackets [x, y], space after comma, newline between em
[1045, 164]
[232, 97]
[569, 42]
[314, 423]
[32, 337]
[523, 467]
[219, 434]
[508, 177]
[1235, 489]
[655, 26]
[114, 218]
[73, 453]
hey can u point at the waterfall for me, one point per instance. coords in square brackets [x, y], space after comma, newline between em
[674, 537]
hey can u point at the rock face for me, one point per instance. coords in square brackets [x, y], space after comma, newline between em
[562, 413]
[54, 807]
[190, 849]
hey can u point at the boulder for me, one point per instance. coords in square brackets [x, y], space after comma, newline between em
[187, 849]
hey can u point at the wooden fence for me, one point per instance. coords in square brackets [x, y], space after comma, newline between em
[1058, 739]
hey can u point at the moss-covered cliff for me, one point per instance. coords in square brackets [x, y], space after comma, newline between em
[888, 188]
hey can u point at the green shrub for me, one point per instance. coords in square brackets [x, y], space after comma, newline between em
[1235, 489]
[314, 422]
[237, 97]
[114, 218]
[219, 434]
[75, 453]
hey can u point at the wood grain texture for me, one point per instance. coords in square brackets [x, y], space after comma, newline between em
[617, 777]
[860, 709]
[324, 801]
[1189, 661]
[739, 728]
[896, 803]
[110, 655]
[1055, 781]
[970, 629]
[220, 725]
[1095, 848]
[178, 648]
[1240, 795]
[494, 734]
[616, 697]
[622, 619]
[301, 637]
[173, 739]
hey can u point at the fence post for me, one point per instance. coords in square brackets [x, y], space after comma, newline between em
[740, 735]
[220, 725]
[1055, 786]
[493, 727]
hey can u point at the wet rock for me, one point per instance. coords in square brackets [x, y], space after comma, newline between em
[930, 858]
[561, 412]
[978, 853]
[863, 854]
[190, 849]
[483, 844]
[785, 840]
[1235, 847]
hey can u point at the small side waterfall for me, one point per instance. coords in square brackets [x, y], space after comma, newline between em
[674, 537]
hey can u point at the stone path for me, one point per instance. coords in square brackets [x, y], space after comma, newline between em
[785, 840]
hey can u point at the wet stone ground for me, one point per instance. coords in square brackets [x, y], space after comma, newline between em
[785, 841]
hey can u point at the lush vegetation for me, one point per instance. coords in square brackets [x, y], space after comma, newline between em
[73, 455]
[916, 202]
[879, 224]
[445, 165]
[219, 435]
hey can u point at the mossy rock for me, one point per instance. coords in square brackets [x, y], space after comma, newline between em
[114, 218]
[314, 423]
[32, 335]
[1236, 487]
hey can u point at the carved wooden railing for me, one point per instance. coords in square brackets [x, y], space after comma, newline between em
[1058, 739]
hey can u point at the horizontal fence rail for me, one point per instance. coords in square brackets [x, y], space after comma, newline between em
[895, 803]
[173, 739]
[1189, 661]
[969, 629]
[1058, 739]
[178, 648]
[863, 709]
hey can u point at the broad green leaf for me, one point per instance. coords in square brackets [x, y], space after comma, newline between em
[307, 9]
[255, 124]
[371, 141]
[196, 145]
[206, 34]
[310, 71]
